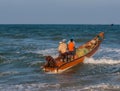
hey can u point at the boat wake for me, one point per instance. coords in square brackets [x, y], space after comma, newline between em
[101, 61]
[102, 86]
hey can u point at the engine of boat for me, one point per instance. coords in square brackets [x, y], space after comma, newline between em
[50, 61]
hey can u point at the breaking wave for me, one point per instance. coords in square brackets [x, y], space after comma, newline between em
[101, 61]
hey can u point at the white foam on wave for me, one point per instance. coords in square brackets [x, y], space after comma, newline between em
[29, 87]
[53, 52]
[101, 61]
[102, 86]
[56, 87]
[109, 49]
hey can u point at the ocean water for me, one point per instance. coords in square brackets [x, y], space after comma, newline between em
[23, 49]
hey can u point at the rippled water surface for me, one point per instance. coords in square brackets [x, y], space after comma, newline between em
[22, 51]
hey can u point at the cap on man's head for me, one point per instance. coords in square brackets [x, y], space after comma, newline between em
[64, 40]
[71, 39]
[60, 42]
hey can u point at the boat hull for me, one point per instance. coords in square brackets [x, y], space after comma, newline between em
[63, 66]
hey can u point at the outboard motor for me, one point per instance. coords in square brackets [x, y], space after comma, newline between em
[50, 62]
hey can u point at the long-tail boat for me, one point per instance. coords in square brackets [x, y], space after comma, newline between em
[56, 65]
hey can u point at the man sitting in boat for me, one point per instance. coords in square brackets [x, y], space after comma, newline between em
[71, 48]
[62, 49]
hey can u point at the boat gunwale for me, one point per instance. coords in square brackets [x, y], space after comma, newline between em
[77, 58]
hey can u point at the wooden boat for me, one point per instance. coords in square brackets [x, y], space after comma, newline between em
[56, 65]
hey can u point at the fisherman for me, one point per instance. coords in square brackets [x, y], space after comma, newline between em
[71, 48]
[62, 49]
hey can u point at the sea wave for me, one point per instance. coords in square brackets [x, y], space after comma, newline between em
[34, 63]
[108, 53]
[56, 87]
[30, 87]
[102, 86]
[8, 73]
[101, 61]
[110, 49]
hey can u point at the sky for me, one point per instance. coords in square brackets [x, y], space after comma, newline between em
[59, 11]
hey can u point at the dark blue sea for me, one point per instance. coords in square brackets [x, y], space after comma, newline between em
[23, 49]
